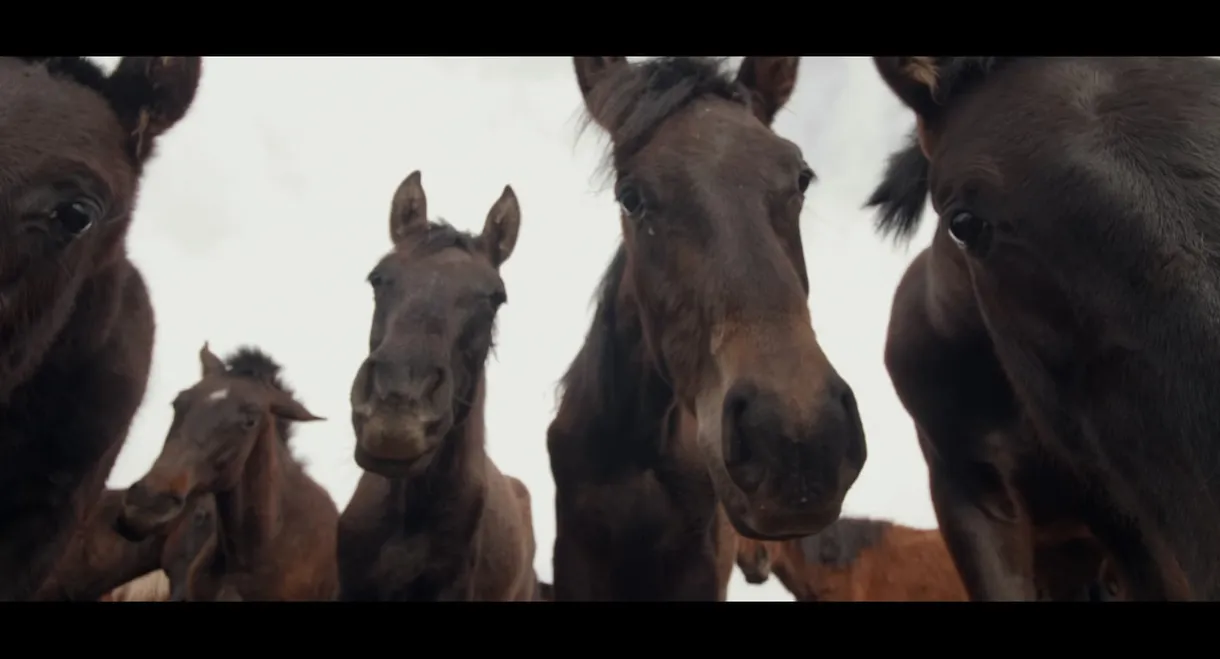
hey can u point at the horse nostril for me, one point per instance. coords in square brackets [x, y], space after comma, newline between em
[736, 451]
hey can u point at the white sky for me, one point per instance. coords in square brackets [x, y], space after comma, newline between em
[269, 203]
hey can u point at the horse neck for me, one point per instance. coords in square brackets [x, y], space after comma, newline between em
[455, 475]
[250, 515]
[632, 422]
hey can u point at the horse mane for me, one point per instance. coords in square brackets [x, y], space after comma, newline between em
[77, 69]
[251, 363]
[901, 196]
[441, 235]
[841, 543]
[637, 98]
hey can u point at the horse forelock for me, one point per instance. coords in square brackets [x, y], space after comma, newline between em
[631, 103]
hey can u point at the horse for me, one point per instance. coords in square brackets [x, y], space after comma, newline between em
[1054, 345]
[432, 518]
[857, 560]
[76, 324]
[98, 560]
[272, 527]
[700, 385]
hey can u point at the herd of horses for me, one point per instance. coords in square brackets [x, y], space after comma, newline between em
[1056, 347]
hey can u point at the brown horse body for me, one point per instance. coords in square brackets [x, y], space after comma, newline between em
[700, 380]
[432, 517]
[241, 518]
[1054, 343]
[857, 560]
[76, 325]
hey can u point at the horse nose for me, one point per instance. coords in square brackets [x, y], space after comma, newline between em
[843, 419]
[407, 380]
[765, 442]
[743, 412]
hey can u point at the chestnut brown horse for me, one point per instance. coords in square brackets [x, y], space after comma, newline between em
[433, 518]
[1054, 343]
[272, 527]
[857, 560]
[76, 325]
[700, 380]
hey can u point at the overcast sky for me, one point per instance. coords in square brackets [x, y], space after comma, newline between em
[268, 204]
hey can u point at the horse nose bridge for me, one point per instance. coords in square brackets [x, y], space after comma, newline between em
[411, 373]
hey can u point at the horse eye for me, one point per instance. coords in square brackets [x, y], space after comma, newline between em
[75, 217]
[630, 200]
[249, 422]
[806, 177]
[971, 233]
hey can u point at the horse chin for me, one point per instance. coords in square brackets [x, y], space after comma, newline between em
[778, 528]
[125, 530]
[755, 578]
[133, 529]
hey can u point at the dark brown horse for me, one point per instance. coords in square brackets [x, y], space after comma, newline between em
[76, 325]
[700, 379]
[99, 563]
[1055, 343]
[857, 560]
[98, 560]
[273, 527]
[432, 517]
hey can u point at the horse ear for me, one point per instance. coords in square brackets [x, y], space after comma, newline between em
[210, 363]
[409, 211]
[770, 81]
[914, 81]
[287, 407]
[590, 71]
[499, 235]
[150, 95]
